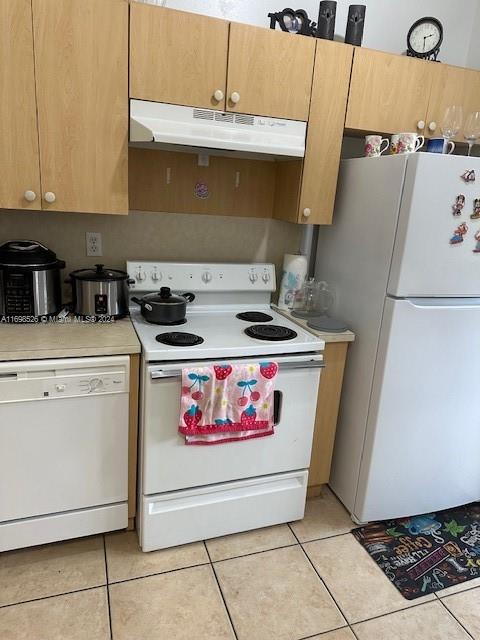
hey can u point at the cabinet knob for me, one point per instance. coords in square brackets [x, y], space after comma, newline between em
[29, 195]
[421, 125]
[49, 197]
[307, 212]
[218, 95]
[432, 126]
[235, 97]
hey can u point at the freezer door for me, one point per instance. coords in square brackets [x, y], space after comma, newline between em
[421, 452]
[425, 263]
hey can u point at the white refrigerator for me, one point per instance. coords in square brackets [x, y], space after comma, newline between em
[407, 281]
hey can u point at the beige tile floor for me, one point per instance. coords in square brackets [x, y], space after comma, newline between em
[310, 579]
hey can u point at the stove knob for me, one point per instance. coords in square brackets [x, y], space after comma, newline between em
[140, 275]
[266, 277]
[253, 277]
[156, 276]
[206, 277]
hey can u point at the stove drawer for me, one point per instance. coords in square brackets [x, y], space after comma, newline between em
[221, 509]
[167, 464]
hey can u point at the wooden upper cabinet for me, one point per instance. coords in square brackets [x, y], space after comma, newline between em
[305, 189]
[269, 72]
[177, 57]
[81, 59]
[451, 85]
[333, 63]
[19, 160]
[388, 93]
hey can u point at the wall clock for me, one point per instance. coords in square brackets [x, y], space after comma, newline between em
[424, 38]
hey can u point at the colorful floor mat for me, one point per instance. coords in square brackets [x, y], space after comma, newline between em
[427, 553]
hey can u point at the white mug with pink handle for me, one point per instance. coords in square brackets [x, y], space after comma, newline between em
[406, 143]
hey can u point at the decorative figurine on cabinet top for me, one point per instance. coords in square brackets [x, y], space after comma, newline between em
[355, 24]
[326, 20]
[293, 21]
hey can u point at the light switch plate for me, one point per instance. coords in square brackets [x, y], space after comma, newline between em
[93, 243]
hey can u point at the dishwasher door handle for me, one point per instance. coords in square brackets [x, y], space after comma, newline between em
[287, 366]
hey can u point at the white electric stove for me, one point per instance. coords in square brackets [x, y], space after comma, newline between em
[189, 493]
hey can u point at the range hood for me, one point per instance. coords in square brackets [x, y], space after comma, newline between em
[155, 124]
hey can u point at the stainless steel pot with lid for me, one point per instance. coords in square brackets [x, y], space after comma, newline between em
[164, 307]
[99, 292]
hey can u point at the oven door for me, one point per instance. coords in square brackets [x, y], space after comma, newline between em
[168, 464]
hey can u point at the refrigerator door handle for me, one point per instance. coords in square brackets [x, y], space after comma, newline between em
[441, 303]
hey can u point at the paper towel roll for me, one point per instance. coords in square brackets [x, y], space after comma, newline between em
[294, 273]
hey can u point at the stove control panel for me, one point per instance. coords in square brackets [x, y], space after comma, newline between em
[182, 276]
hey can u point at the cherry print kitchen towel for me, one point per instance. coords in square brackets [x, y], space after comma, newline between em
[224, 403]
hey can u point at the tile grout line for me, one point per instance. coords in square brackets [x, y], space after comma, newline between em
[220, 590]
[108, 587]
[455, 618]
[389, 613]
[159, 573]
[351, 624]
[353, 631]
[334, 535]
[255, 553]
[320, 577]
[53, 595]
[448, 595]
[325, 633]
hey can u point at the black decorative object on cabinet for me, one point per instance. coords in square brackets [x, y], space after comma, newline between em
[355, 24]
[326, 20]
[293, 21]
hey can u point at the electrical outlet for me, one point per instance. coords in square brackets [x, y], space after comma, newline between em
[93, 243]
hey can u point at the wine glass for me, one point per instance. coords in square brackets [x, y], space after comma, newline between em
[471, 132]
[451, 124]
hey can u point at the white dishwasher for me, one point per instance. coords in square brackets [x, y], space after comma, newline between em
[63, 449]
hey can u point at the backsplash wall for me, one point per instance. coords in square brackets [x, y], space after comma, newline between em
[154, 236]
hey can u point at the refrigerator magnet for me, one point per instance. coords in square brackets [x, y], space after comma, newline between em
[468, 176]
[476, 209]
[458, 234]
[477, 246]
[459, 204]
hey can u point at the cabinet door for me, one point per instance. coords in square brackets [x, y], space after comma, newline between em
[388, 93]
[177, 57]
[81, 58]
[269, 72]
[452, 85]
[333, 64]
[19, 162]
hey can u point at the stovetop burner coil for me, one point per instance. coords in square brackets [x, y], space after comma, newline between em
[271, 332]
[179, 339]
[254, 316]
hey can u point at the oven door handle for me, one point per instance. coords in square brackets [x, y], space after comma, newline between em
[287, 366]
